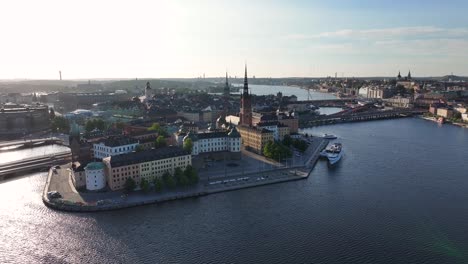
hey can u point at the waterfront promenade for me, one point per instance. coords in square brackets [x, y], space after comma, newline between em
[215, 182]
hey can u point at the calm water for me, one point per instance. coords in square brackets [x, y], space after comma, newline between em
[287, 90]
[398, 196]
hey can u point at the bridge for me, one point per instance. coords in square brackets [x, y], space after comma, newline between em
[10, 169]
[31, 142]
[325, 103]
[357, 117]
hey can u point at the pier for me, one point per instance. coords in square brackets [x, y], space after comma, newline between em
[359, 117]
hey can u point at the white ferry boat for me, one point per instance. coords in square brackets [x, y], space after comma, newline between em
[329, 136]
[333, 153]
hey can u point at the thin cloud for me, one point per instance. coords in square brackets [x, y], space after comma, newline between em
[425, 31]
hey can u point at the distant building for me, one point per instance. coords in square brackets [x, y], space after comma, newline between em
[465, 117]
[114, 146]
[146, 164]
[445, 112]
[257, 129]
[78, 176]
[18, 120]
[254, 138]
[218, 141]
[95, 178]
[399, 101]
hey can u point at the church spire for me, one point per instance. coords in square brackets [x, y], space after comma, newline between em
[227, 89]
[409, 74]
[246, 84]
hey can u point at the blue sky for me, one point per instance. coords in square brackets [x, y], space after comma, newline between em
[182, 38]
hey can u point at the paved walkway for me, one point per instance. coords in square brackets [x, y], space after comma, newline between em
[82, 201]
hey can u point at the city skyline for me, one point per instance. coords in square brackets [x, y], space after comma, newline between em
[170, 39]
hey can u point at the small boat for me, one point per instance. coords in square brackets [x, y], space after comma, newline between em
[329, 136]
[333, 153]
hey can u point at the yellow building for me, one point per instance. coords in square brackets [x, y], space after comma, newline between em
[255, 138]
[144, 165]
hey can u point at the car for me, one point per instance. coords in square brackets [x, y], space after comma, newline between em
[54, 195]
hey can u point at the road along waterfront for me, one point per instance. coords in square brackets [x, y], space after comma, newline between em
[59, 180]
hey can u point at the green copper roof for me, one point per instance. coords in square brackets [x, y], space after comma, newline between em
[94, 166]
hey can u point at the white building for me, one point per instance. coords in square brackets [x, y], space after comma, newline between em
[465, 117]
[215, 141]
[114, 146]
[95, 177]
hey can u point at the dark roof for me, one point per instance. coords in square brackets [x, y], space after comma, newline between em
[258, 129]
[234, 133]
[118, 141]
[217, 134]
[146, 156]
[270, 123]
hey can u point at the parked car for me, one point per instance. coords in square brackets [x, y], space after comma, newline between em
[54, 195]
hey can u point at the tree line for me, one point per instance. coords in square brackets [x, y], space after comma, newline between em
[180, 178]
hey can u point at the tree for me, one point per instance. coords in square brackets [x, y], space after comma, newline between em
[276, 151]
[60, 124]
[120, 125]
[178, 173]
[157, 184]
[130, 184]
[267, 150]
[301, 145]
[160, 130]
[160, 142]
[191, 174]
[144, 185]
[92, 124]
[168, 180]
[51, 113]
[287, 140]
[188, 145]
[139, 148]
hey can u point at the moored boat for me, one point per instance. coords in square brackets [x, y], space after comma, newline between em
[329, 136]
[333, 153]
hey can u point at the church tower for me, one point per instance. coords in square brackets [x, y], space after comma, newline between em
[227, 89]
[245, 114]
[148, 92]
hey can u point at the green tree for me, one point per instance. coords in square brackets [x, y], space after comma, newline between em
[60, 124]
[188, 145]
[178, 174]
[120, 125]
[160, 130]
[130, 184]
[139, 148]
[267, 149]
[287, 140]
[144, 185]
[89, 125]
[160, 142]
[168, 180]
[158, 184]
[301, 145]
[191, 174]
[100, 124]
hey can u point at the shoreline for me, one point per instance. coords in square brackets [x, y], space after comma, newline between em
[116, 201]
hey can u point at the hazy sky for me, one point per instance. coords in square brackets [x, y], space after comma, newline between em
[128, 39]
